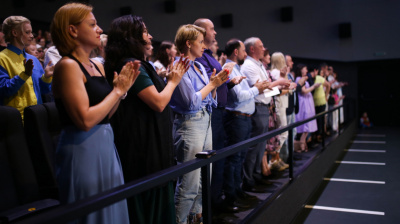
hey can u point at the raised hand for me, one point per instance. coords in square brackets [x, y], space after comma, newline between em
[220, 78]
[126, 77]
[261, 86]
[176, 72]
[236, 80]
[28, 67]
[48, 71]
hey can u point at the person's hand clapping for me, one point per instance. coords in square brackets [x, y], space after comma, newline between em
[28, 67]
[126, 77]
[220, 78]
[176, 72]
[48, 71]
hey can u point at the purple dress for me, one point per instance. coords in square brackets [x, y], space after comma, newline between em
[306, 110]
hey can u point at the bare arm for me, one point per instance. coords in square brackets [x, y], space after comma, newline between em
[157, 101]
[69, 85]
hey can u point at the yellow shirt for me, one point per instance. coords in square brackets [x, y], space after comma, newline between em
[319, 93]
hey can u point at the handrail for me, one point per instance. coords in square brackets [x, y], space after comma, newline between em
[72, 211]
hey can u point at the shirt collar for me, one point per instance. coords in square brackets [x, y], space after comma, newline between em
[258, 62]
[16, 49]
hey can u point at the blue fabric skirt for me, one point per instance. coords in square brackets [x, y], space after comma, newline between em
[87, 164]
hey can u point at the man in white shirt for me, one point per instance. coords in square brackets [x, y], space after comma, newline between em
[254, 70]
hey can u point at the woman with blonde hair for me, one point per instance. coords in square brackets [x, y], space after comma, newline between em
[87, 160]
[22, 78]
[192, 102]
[279, 71]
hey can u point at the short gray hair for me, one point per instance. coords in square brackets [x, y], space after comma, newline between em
[251, 41]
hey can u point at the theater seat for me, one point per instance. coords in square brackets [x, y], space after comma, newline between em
[42, 128]
[19, 191]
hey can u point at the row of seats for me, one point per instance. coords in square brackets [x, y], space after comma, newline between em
[27, 160]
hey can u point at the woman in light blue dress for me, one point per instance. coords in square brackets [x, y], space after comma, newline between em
[87, 161]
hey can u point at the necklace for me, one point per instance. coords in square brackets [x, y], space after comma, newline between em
[85, 63]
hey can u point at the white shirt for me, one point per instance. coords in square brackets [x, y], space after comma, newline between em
[255, 71]
[281, 101]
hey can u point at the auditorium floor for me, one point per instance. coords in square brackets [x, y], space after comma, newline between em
[364, 186]
[279, 179]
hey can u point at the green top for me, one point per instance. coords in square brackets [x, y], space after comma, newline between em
[142, 82]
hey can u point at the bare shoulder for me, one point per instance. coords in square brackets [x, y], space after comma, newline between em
[100, 66]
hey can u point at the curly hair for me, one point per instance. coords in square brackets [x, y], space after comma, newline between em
[125, 40]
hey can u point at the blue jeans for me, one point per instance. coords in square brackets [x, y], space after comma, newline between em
[253, 160]
[218, 137]
[192, 134]
[284, 153]
[238, 128]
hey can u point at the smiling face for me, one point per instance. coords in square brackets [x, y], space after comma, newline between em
[87, 32]
[148, 49]
[196, 48]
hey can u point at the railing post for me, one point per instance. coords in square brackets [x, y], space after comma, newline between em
[323, 131]
[206, 196]
[339, 120]
[290, 147]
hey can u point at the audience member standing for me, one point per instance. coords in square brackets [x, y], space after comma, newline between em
[22, 78]
[253, 69]
[87, 161]
[321, 94]
[165, 56]
[240, 107]
[142, 123]
[208, 61]
[192, 102]
[279, 72]
[306, 107]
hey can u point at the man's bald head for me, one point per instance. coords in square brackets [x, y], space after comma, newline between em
[208, 25]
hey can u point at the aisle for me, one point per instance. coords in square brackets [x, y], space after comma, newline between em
[364, 187]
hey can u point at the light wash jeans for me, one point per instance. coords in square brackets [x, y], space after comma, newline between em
[192, 134]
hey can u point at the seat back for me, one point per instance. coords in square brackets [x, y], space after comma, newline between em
[42, 127]
[18, 181]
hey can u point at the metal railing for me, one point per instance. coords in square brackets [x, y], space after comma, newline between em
[69, 212]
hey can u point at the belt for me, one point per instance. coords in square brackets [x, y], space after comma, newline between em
[262, 104]
[238, 113]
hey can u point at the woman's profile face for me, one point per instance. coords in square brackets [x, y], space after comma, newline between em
[304, 71]
[88, 32]
[172, 52]
[148, 49]
[197, 47]
[24, 36]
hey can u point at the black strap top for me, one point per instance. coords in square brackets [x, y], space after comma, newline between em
[97, 89]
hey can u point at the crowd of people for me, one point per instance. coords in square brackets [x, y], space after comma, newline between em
[125, 117]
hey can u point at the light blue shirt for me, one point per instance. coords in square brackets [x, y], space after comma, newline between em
[241, 96]
[186, 98]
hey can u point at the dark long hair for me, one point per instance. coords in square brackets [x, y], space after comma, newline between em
[297, 71]
[125, 40]
[162, 54]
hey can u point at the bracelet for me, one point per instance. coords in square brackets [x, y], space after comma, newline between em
[124, 96]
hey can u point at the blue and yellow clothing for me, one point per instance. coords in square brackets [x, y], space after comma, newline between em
[17, 89]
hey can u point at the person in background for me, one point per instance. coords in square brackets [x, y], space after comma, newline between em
[52, 55]
[98, 53]
[87, 162]
[278, 72]
[193, 101]
[306, 108]
[320, 95]
[365, 122]
[240, 107]
[164, 57]
[142, 123]
[208, 61]
[22, 78]
[253, 69]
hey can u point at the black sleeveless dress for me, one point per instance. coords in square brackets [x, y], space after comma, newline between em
[87, 162]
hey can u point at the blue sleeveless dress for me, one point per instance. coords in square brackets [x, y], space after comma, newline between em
[88, 162]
